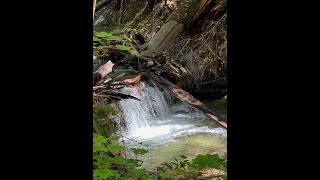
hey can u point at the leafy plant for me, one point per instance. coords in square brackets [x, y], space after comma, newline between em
[123, 47]
[205, 161]
[109, 164]
[103, 116]
[102, 156]
[191, 169]
[108, 36]
[102, 43]
[165, 175]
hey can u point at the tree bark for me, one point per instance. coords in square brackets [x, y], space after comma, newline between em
[220, 6]
[187, 98]
[102, 3]
[182, 17]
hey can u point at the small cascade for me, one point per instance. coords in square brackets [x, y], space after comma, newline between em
[152, 107]
[157, 117]
[167, 128]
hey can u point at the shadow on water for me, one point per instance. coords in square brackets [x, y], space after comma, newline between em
[217, 106]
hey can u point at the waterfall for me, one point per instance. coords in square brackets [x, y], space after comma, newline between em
[166, 127]
[153, 118]
[152, 107]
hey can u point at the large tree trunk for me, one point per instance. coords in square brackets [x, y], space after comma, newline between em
[187, 98]
[182, 17]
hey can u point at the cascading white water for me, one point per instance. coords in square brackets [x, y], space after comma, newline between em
[156, 124]
[151, 117]
[140, 114]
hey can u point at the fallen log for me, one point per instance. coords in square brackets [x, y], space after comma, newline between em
[187, 98]
[182, 17]
[220, 6]
[107, 91]
[101, 4]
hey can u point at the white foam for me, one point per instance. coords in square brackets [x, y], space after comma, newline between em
[150, 119]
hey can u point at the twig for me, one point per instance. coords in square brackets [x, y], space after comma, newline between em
[120, 12]
[130, 139]
[184, 46]
[94, 7]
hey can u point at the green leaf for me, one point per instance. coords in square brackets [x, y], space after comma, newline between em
[178, 171]
[95, 39]
[99, 148]
[183, 157]
[167, 165]
[97, 178]
[203, 161]
[100, 139]
[131, 178]
[122, 47]
[103, 173]
[114, 138]
[105, 161]
[102, 47]
[131, 161]
[165, 175]
[95, 135]
[148, 178]
[137, 151]
[119, 160]
[112, 38]
[115, 173]
[115, 148]
[224, 177]
[103, 34]
[183, 164]
[141, 173]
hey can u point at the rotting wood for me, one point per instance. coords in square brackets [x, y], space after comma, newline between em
[102, 72]
[107, 91]
[187, 98]
[101, 4]
[220, 6]
[164, 38]
[182, 17]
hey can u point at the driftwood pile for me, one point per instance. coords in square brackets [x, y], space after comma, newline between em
[106, 89]
[150, 58]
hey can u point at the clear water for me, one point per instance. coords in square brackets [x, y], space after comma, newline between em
[167, 131]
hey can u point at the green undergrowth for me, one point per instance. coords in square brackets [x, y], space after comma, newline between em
[102, 44]
[110, 164]
[108, 154]
[103, 122]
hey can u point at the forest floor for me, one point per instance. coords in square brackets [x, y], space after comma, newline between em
[201, 49]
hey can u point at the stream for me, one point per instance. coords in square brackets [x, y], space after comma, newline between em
[167, 127]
